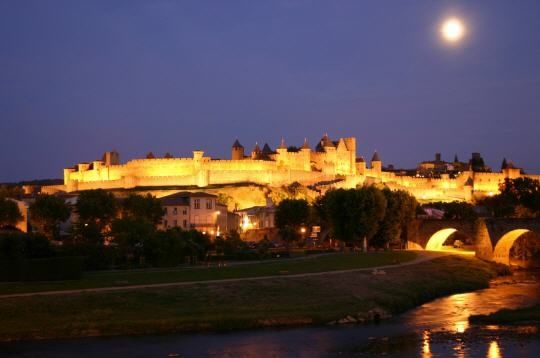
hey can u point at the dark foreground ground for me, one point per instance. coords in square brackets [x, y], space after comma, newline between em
[283, 301]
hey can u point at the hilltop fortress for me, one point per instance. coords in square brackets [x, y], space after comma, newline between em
[329, 164]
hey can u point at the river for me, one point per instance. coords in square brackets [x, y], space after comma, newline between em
[437, 329]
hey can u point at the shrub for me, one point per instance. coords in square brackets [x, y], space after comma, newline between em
[47, 269]
[19, 245]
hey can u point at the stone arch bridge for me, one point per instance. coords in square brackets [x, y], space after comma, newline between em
[492, 238]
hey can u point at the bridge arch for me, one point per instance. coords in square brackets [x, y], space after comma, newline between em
[501, 253]
[436, 241]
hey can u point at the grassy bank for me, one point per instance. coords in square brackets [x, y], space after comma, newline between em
[278, 267]
[247, 304]
[525, 315]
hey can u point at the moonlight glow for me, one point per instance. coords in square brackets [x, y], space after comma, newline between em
[452, 30]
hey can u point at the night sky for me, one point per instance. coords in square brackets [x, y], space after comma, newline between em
[78, 78]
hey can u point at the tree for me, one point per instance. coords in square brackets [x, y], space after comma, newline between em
[19, 245]
[10, 214]
[291, 214]
[97, 207]
[372, 210]
[518, 197]
[46, 214]
[146, 208]
[230, 244]
[10, 191]
[400, 210]
[354, 214]
[523, 191]
[130, 236]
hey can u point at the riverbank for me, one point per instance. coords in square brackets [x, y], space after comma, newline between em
[527, 315]
[286, 301]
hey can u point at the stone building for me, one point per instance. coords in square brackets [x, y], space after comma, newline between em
[199, 211]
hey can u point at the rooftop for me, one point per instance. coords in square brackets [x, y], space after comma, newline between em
[182, 198]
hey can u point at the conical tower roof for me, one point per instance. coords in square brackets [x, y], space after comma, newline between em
[256, 149]
[266, 149]
[504, 164]
[305, 145]
[237, 144]
[375, 157]
[326, 142]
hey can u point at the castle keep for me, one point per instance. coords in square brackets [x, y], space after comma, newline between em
[329, 164]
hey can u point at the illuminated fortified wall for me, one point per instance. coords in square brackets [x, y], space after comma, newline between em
[330, 160]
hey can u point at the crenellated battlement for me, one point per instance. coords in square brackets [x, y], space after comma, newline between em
[327, 161]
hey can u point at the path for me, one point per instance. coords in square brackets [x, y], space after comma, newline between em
[423, 256]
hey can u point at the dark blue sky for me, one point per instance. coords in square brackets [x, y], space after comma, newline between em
[81, 77]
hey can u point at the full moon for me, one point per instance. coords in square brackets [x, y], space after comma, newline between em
[452, 30]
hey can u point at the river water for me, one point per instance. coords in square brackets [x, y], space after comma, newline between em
[437, 329]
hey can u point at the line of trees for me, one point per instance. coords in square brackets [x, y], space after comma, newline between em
[366, 216]
[107, 231]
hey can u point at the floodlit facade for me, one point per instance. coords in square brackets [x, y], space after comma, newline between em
[199, 211]
[329, 164]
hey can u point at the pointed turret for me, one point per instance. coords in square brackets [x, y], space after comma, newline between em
[267, 150]
[237, 144]
[256, 152]
[504, 164]
[376, 164]
[305, 145]
[325, 142]
[360, 165]
[150, 155]
[282, 144]
[237, 151]
[168, 155]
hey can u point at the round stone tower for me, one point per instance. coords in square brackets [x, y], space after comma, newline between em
[237, 151]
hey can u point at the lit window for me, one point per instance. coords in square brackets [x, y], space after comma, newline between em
[209, 203]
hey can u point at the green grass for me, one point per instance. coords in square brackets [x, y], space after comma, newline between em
[278, 267]
[510, 317]
[238, 305]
